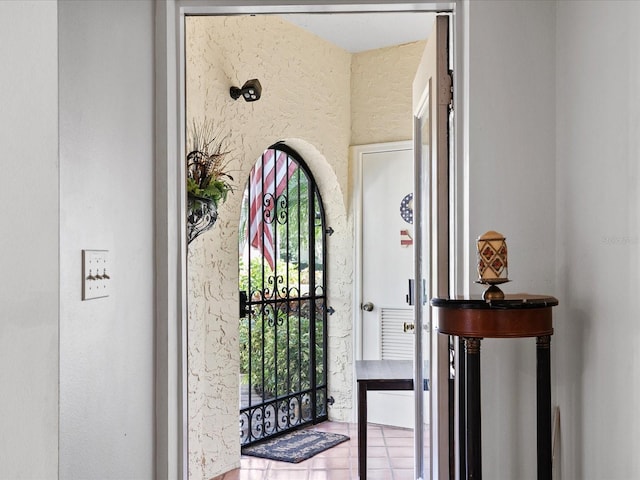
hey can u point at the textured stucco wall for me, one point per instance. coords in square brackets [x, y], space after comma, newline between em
[381, 82]
[306, 101]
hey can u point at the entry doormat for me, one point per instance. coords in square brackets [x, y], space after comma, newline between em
[296, 446]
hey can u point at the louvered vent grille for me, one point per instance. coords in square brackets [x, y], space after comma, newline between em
[396, 344]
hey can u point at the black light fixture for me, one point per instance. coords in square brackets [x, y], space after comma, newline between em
[250, 91]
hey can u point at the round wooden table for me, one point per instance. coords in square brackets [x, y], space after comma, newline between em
[516, 316]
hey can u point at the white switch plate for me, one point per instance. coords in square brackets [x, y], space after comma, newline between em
[96, 274]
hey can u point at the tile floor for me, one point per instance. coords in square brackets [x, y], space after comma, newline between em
[389, 457]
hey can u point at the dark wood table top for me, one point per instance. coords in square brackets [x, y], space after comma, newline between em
[515, 316]
[518, 300]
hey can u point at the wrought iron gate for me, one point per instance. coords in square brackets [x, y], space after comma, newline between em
[283, 324]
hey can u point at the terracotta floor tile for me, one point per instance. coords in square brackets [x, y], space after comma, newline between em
[378, 462]
[398, 432]
[395, 452]
[379, 474]
[252, 475]
[403, 474]
[399, 442]
[375, 451]
[286, 475]
[389, 457]
[253, 462]
[375, 442]
[330, 463]
[233, 475]
[401, 462]
[242, 474]
[336, 474]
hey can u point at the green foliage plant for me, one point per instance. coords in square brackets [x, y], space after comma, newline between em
[275, 340]
[207, 164]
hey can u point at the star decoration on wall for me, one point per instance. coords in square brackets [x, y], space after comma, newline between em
[406, 208]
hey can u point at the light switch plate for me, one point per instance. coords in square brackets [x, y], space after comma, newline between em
[96, 274]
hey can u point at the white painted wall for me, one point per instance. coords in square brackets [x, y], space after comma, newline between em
[29, 240]
[564, 188]
[597, 358]
[107, 202]
[511, 131]
[512, 190]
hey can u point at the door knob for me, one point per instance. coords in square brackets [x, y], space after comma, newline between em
[367, 307]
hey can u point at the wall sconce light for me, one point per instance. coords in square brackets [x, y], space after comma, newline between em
[250, 91]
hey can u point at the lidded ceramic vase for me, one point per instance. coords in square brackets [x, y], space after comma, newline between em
[492, 258]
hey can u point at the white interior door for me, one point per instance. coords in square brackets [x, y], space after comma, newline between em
[386, 267]
[383, 281]
[431, 100]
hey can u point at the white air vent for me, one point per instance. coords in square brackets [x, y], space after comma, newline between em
[396, 343]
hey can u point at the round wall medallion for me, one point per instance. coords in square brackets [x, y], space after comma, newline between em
[406, 208]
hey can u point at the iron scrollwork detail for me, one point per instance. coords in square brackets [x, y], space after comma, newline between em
[284, 336]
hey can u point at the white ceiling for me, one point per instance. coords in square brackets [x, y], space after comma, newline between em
[357, 32]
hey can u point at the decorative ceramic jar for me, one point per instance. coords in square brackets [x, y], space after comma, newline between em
[492, 256]
[492, 263]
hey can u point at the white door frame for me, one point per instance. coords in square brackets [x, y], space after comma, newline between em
[170, 231]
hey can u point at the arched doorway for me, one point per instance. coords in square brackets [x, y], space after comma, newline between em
[283, 314]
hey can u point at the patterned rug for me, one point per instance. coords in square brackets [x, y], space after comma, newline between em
[296, 446]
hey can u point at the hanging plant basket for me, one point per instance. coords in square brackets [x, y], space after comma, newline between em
[202, 214]
[207, 179]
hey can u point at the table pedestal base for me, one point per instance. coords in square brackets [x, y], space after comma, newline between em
[514, 317]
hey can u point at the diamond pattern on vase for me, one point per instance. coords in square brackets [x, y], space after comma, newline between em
[492, 257]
